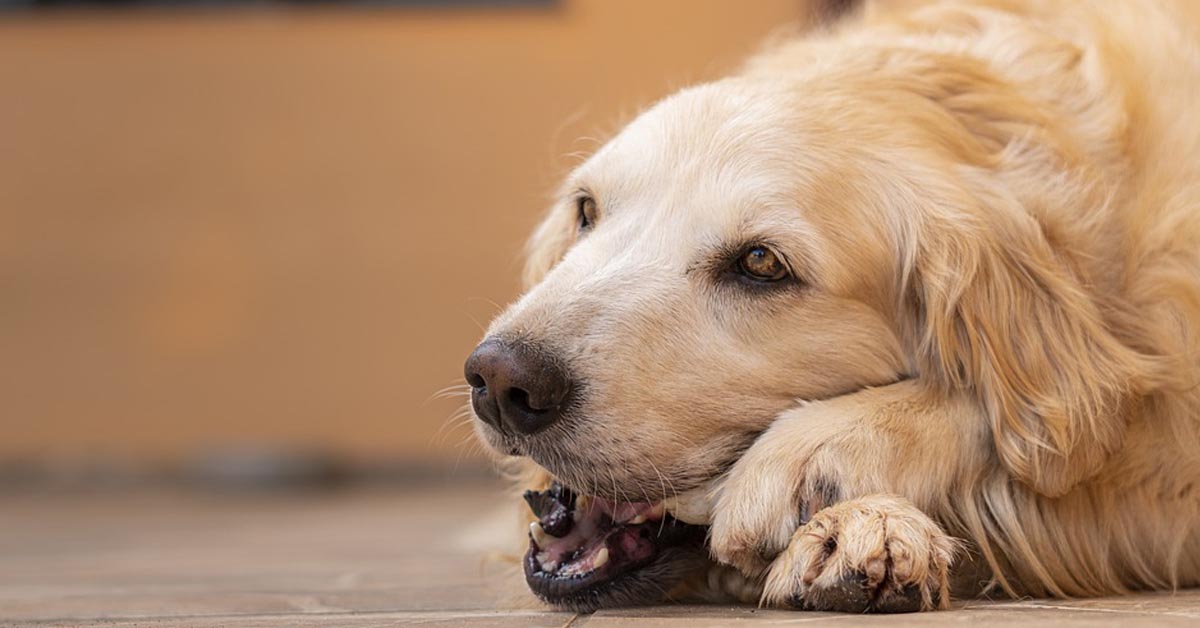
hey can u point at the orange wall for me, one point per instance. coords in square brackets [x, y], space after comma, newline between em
[287, 227]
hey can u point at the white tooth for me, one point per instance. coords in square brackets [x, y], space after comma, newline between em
[638, 519]
[657, 511]
[600, 559]
[543, 559]
[582, 502]
[539, 535]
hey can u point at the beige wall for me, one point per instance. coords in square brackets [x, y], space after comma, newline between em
[287, 227]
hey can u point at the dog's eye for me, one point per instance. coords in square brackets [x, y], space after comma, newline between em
[761, 264]
[586, 207]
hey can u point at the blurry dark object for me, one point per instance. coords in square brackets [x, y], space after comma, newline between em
[553, 508]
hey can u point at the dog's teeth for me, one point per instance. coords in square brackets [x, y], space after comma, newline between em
[539, 535]
[638, 519]
[582, 503]
[657, 511]
[600, 559]
[543, 559]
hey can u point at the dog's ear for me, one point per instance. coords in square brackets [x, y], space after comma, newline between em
[548, 245]
[1000, 311]
[1001, 314]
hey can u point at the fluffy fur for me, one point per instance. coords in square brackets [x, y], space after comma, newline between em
[993, 211]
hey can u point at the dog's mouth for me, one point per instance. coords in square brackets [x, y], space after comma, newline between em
[586, 552]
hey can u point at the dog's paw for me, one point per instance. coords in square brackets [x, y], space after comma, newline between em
[874, 554]
[770, 492]
[749, 528]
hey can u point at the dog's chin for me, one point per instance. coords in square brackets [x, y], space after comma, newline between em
[587, 553]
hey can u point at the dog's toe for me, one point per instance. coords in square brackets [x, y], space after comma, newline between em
[854, 593]
[878, 554]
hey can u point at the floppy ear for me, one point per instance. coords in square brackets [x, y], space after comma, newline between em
[1003, 316]
[1000, 312]
[548, 245]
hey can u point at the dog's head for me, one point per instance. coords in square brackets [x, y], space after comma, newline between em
[749, 244]
[721, 259]
[695, 280]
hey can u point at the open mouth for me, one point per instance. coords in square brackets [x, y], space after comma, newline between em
[586, 552]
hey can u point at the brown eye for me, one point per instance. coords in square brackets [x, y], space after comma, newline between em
[586, 207]
[761, 264]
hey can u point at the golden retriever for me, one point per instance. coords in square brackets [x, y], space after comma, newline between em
[905, 307]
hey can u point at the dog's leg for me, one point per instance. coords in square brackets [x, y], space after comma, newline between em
[838, 495]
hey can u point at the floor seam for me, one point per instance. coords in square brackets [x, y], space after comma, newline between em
[576, 620]
[1055, 607]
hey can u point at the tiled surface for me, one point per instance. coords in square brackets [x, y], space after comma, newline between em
[362, 559]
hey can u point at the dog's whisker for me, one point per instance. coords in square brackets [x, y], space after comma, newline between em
[467, 445]
[471, 317]
[612, 483]
[454, 390]
[642, 486]
[450, 392]
[662, 488]
[444, 434]
[491, 302]
[462, 416]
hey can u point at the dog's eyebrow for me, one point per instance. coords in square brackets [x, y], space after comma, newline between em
[713, 257]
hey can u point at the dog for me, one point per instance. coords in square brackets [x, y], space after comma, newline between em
[912, 304]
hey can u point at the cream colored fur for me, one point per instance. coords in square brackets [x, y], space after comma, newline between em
[995, 212]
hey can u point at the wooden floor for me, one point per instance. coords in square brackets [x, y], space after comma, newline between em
[358, 559]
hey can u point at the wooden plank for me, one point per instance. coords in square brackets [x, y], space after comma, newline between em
[359, 559]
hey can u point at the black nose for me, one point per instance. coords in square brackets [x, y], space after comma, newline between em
[514, 387]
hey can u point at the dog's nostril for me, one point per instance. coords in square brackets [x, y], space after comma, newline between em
[520, 399]
[476, 380]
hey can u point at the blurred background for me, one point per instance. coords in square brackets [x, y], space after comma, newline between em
[244, 246]
[251, 242]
